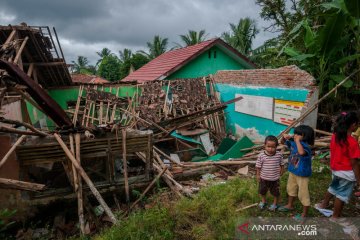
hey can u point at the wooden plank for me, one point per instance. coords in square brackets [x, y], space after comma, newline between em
[148, 188]
[123, 133]
[79, 183]
[86, 179]
[11, 150]
[20, 185]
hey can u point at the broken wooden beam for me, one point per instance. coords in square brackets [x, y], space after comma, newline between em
[27, 125]
[148, 187]
[123, 134]
[86, 179]
[21, 185]
[11, 150]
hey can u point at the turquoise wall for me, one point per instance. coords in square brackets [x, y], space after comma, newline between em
[263, 126]
[203, 65]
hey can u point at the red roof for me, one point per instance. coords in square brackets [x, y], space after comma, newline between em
[169, 62]
[84, 78]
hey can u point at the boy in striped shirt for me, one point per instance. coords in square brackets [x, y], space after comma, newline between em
[269, 168]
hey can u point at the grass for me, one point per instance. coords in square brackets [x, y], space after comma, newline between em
[211, 213]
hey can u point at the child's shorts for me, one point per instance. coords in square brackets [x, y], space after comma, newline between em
[341, 188]
[299, 186]
[272, 186]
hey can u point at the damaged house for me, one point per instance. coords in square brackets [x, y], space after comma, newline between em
[86, 138]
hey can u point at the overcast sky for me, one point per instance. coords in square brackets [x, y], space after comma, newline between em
[84, 27]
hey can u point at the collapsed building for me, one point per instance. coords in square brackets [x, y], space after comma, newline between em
[65, 139]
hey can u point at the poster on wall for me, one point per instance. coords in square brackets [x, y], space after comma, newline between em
[255, 105]
[287, 111]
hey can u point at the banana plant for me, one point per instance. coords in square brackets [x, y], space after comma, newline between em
[328, 50]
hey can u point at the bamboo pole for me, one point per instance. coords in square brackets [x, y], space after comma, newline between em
[243, 208]
[27, 98]
[77, 104]
[161, 163]
[173, 185]
[72, 149]
[88, 115]
[148, 188]
[167, 156]
[20, 185]
[101, 112]
[86, 179]
[79, 183]
[11, 150]
[151, 123]
[18, 54]
[166, 95]
[27, 125]
[126, 180]
[9, 39]
[323, 132]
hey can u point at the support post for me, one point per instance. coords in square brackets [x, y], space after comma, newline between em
[86, 179]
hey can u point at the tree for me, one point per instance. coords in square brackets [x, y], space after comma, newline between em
[81, 65]
[241, 35]
[109, 68]
[157, 47]
[328, 51]
[136, 61]
[125, 55]
[193, 37]
[321, 37]
[104, 53]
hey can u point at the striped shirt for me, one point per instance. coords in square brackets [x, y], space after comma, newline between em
[269, 166]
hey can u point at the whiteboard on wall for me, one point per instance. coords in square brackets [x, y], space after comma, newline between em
[287, 111]
[255, 105]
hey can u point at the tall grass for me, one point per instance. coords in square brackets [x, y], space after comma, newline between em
[211, 214]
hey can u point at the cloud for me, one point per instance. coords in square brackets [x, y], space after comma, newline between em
[87, 26]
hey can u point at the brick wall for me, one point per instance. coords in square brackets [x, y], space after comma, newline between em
[288, 76]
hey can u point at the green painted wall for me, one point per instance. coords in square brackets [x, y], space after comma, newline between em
[203, 65]
[62, 96]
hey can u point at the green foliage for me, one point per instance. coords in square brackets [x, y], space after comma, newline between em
[133, 61]
[157, 47]
[151, 224]
[81, 65]
[109, 68]
[104, 53]
[5, 214]
[353, 6]
[212, 214]
[326, 51]
[192, 38]
[241, 35]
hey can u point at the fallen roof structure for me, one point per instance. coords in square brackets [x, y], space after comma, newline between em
[37, 51]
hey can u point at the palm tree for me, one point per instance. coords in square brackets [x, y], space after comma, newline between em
[157, 47]
[241, 35]
[193, 37]
[125, 55]
[104, 53]
[80, 65]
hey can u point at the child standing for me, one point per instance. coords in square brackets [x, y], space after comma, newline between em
[269, 167]
[345, 153]
[299, 168]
